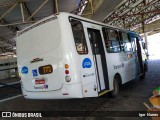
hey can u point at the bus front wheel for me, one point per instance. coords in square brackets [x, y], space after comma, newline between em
[115, 91]
[145, 69]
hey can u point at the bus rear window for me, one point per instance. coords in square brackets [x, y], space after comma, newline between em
[79, 37]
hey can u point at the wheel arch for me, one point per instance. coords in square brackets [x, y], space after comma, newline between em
[119, 78]
[117, 81]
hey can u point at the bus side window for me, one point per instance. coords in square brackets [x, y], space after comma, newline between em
[79, 37]
[125, 43]
[133, 43]
[111, 40]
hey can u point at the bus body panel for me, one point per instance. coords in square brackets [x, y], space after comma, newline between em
[116, 63]
[33, 81]
[68, 91]
[97, 71]
[34, 54]
[86, 76]
[50, 43]
[140, 54]
[119, 64]
[69, 50]
[91, 73]
[56, 56]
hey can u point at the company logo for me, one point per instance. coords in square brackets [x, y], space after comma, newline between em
[86, 63]
[24, 70]
[6, 114]
[41, 87]
[88, 75]
[34, 72]
[20, 115]
[36, 60]
[45, 86]
[118, 66]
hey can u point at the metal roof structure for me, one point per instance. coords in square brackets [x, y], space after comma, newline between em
[139, 15]
[15, 15]
[133, 14]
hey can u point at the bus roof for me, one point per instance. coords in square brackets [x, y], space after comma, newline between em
[91, 21]
[69, 15]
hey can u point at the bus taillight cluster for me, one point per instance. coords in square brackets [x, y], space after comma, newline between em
[67, 77]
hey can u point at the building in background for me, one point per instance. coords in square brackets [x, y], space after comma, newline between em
[8, 68]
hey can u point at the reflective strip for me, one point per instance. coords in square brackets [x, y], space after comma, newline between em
[104, 92]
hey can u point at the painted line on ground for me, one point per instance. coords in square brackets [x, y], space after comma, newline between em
[10, 83]
[3, 100]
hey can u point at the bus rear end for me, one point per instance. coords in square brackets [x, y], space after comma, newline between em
[41, 62]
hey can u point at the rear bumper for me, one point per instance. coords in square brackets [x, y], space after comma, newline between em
[66, 92]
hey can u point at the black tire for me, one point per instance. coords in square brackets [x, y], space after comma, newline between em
[115, 92]
[145, 67]
[142, 76]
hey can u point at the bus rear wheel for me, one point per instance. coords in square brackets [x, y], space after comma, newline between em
[115, 92]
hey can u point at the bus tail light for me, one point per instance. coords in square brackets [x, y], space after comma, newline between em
[66, 66]
[67, 71]
[68, 78]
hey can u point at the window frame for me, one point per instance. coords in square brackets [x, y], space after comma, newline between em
[122, 41]
[106, 38]
[84, 38]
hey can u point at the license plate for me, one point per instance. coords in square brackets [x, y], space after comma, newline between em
[40, 81]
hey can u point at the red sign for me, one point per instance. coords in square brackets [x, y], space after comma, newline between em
[42, 81]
